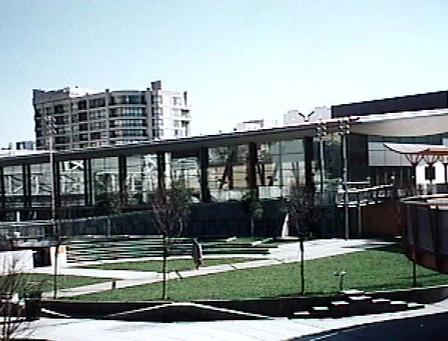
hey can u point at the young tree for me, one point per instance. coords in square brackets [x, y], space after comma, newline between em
[171, 209]
[303, 214]
[15, 285]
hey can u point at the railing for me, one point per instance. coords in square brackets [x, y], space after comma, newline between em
[366, 196]
[425, 230]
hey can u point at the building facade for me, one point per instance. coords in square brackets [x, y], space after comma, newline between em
[84, 118]
[369, 158]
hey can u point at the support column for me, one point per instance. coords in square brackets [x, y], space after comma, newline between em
[88, 183]
[2, 188]
[161, 170]
[308, 149]
[26, 185]
[57, 184]
[251, 169]
[345, 186]
[122, 176]
[205, 190]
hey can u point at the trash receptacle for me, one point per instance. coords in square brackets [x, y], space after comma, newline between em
[33, 306]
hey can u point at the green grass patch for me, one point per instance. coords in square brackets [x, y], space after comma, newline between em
[378, 269]
[44, 282]
[172, 265]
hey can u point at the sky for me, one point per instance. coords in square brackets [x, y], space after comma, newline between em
[238, 59]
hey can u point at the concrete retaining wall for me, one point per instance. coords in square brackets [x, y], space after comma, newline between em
[275, 307]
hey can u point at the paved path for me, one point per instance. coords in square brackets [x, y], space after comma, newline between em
[272, 330]
[285, 253]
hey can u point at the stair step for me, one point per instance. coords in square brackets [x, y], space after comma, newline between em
[361, 298]
[352, 292]
[301, 314]
[320, 311]
[340, 308]
[398, 305]
[415, 305]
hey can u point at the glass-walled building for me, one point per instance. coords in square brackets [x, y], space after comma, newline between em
[216, 168]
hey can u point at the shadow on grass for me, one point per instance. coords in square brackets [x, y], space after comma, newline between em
[378, 246]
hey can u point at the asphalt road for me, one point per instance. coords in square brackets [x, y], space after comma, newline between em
[432, 327]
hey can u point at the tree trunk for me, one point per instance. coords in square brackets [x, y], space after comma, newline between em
[252, 227]
[302, 268]
[164, 266]
[55, 274]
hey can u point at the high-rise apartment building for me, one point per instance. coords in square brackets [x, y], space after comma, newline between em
[84, 118]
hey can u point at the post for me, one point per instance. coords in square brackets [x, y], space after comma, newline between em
[164, 265]
[359, 219]
[344, 184]
[344, 130]
[161, 166]
[445, 166]
[321, 131]
[322, 165]
[251, 170]
[302, 265]
[203, 160]
[122, 179]
[51, 131]
[53, 181]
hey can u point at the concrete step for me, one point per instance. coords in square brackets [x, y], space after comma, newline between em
[301, 315]
[398, 306]
[340, 308]
[320, 311]
[380, 305]
[359, 305]
[352, 292]
[414, 305]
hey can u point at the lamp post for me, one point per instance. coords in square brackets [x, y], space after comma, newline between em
[321, 131]
[51, 131]
[444, 160]
[344, 130]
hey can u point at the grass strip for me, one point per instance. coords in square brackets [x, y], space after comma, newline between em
[173, 264]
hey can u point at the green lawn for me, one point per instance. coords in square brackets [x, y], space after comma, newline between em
[173, 264]
[384, 268]
[44, 282]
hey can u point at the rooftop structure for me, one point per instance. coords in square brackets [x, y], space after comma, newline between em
[87, 118]
[296, 117]
[427, 101]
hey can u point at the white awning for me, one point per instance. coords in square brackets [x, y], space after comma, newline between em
[404, 124]
[422, 149]
[403, 148]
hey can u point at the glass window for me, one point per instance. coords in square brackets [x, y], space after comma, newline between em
[105, 175]
[142, 179]
[227, 173]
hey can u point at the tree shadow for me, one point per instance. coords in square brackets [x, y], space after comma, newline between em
[379, 246]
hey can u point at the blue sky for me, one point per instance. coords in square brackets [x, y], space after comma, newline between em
[239, 60]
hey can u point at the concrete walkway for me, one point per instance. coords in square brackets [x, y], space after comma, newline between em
[269, 330]
[285, 253]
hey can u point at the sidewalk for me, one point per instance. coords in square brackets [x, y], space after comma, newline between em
[269, 330]
[285, 253]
